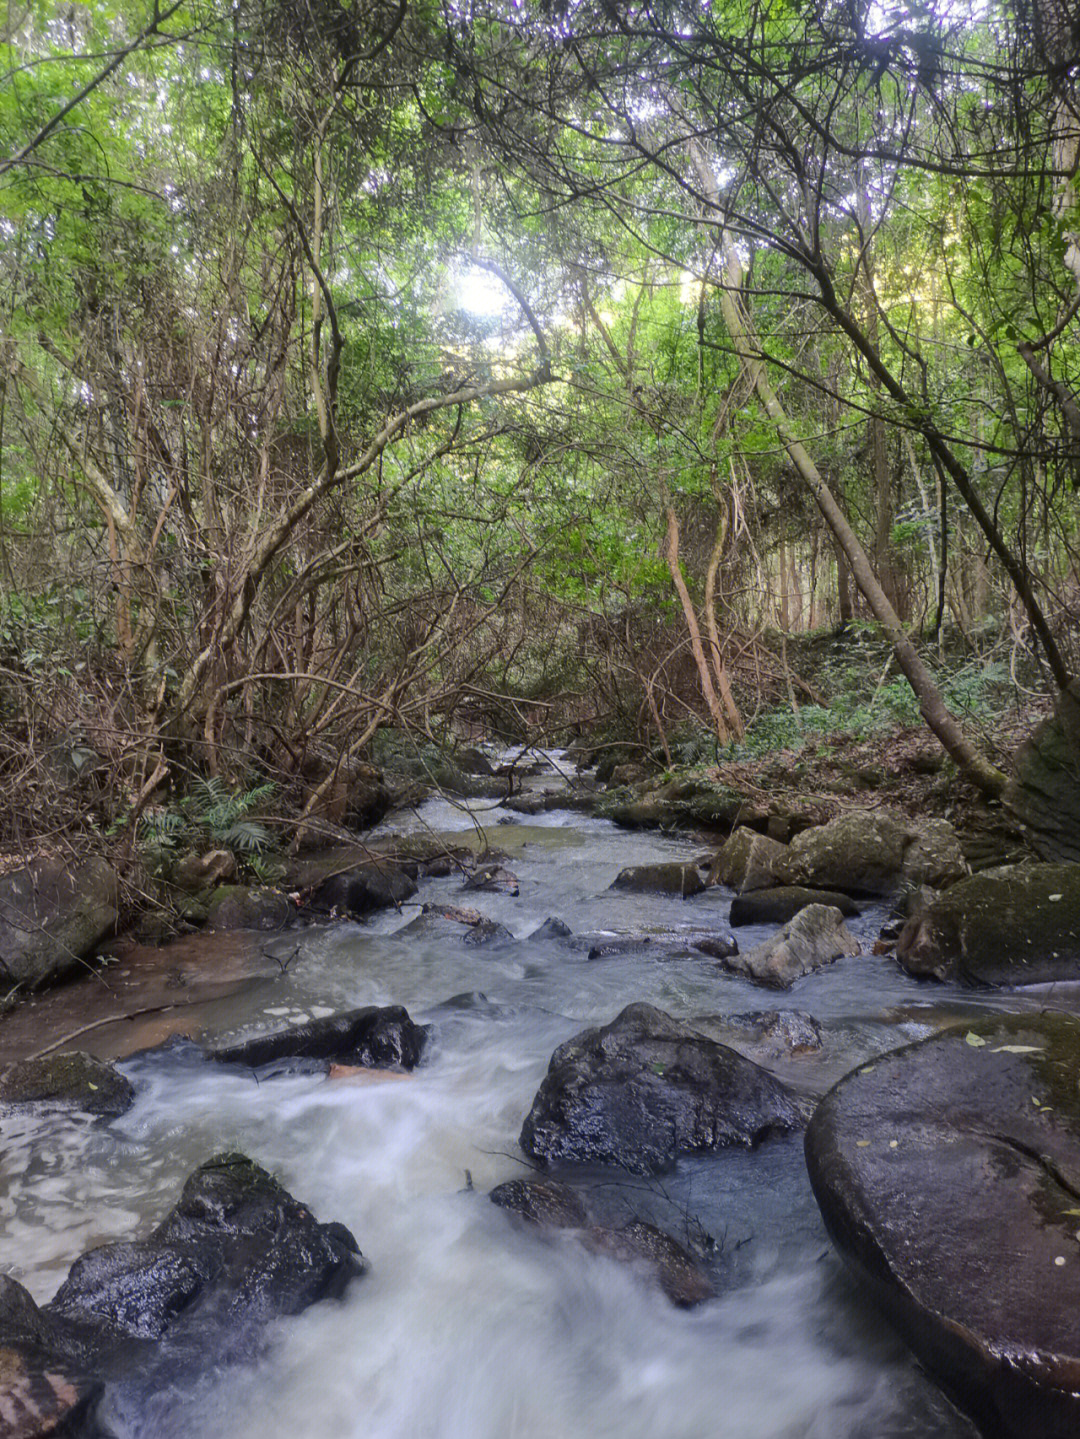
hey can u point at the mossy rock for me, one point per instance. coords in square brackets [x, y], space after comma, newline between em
[71, 1078]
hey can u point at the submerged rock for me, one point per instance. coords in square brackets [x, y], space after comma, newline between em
[52, 915]
[815, 937]
[668, 1262]
[551, 1205]
[542, 1201]
[948, 1174]
[371, 1038]
[770, 1033]
[236, 1253]
[552, 928]
[777, 906]
[644, 1089]
[71, 1078]
[717, 946]
[494, 877]
[459, 926]
[1014, 925]
[682, 879]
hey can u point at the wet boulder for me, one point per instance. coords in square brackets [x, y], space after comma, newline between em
[551, 1205]
[663, 1258]
[777, 906]
[363, 889]
[871, 853]
[1013, 925]
[642, 1090]
[815, 937]
[542, 1201]
[948, 1175]
[552, 928]
[369, 1038]
[71, 1078]
[237, 1253]
[749, 861]
[494, 878]
[52, 915]
[717, 946]
[456, 925]
[671, 878]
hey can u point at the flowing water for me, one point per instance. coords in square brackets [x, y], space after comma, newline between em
[467, 1325]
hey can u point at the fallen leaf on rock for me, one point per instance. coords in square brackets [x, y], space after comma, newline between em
[975, 1040]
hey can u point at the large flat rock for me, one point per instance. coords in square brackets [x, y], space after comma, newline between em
[948, 1174]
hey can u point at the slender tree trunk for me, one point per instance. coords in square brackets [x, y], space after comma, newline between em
[747, 346]
[671, 555]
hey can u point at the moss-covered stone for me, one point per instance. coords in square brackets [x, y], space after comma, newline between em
[71, 1078]
[1018, 924]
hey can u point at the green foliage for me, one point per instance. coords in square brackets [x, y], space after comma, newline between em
[209, 815]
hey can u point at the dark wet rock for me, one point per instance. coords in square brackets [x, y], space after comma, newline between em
[552, 928]
[717, 946]
[748, 861]
[552, 1205]
[644, 1089]
[777, 906]
[459, 926]
[372, 1038]
[815, 937]
[493, 877]
[948, 1174]
[542, 1201]
[1013, 925]
[441, 867]
[51, 917]
[237, 1246]
[673, 1268]
[71, 1078]
[673, 878]
[870, 853]
[363, 889]
[42, 1392]
[200, 871]
[236, 1253]
[241, 906]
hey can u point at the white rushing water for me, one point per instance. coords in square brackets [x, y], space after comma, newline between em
[467, 1324]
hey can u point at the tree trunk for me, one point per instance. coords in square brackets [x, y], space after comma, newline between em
[747, 346]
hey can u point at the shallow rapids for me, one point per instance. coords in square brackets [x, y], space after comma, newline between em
[467, 1325]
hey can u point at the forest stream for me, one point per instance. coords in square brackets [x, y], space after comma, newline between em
[468, 1324]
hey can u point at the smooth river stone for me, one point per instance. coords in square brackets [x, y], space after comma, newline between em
[948, 1174]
